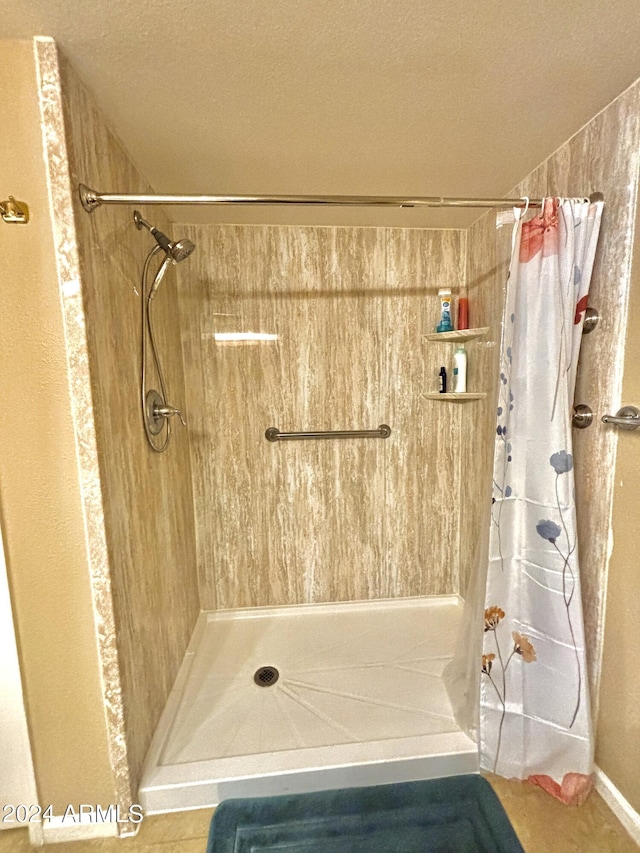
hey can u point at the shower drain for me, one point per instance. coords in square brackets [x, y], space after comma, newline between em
[266, 676]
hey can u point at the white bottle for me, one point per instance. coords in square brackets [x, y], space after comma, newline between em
[460, 370]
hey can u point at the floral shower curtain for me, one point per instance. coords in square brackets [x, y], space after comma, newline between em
[534, 705]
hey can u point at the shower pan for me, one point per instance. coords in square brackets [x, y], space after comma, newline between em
[301, 698]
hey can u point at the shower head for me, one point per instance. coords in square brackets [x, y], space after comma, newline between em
[177, 251]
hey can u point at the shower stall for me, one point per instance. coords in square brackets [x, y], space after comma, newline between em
[317, 660]
[276, 615]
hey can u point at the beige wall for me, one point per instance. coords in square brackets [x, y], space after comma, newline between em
[618, 742]
[320, 520]
[40, 481]
[147, 497]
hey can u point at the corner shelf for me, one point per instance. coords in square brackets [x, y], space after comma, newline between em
[463, 335]
[456, 398]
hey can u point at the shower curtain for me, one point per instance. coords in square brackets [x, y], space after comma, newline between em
[534, 715]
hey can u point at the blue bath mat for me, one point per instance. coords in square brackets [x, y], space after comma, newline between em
[459, 814]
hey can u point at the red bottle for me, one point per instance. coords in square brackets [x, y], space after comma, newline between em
[463, 313]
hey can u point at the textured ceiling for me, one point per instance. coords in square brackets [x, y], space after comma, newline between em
[388, 97]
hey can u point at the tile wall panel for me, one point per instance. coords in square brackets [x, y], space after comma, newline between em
[423, 474]
[488, 251]
[147, 496]
[319, 520]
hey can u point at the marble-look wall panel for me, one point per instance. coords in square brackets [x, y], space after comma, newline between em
[147, 497]
[618, 741]
[488, 250]
[423, 474]
[296, 522]
[333, 378]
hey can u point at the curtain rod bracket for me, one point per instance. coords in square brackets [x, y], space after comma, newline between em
[88, 198]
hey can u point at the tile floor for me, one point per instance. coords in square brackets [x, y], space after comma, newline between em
[543, 825]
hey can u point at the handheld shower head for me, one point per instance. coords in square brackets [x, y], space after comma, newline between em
[177, 251]
[181, 249]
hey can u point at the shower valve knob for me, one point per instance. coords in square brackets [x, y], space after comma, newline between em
[168, 412]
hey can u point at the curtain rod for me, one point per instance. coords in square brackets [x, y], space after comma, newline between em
[92, 198]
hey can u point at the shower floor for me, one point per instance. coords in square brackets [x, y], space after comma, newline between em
[358, 700]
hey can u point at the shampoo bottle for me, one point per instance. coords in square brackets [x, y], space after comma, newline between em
[460, 370]
[445, 324]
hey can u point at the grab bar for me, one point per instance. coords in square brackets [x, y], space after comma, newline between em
[628, 417]
[274, 434]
